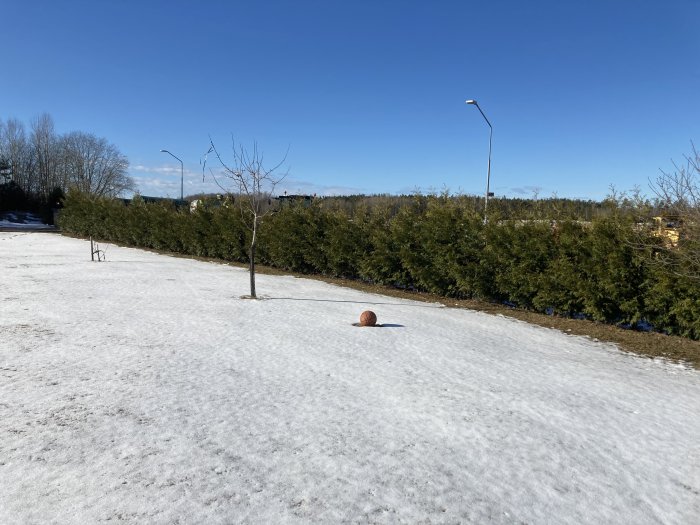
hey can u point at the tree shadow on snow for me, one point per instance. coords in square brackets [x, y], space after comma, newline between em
[354, 302]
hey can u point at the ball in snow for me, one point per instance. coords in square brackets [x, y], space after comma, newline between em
[368, 318]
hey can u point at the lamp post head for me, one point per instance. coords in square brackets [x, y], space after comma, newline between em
[471, 101]
[164, 151]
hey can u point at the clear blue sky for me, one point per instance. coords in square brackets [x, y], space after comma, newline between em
[368, 95]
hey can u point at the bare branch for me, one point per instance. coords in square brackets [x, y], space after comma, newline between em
[253, 186]
[677, 207]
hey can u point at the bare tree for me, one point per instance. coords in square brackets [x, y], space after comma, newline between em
[92, 165]
[41, 161]
[251, 185]
[15, 150]
[5, 170]
[678, 199]
[43, 143]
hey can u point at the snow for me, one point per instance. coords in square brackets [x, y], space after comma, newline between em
[23, 221]
[144, 389]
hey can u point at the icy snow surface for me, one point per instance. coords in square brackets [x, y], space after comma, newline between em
[143, 389]
[22, 221]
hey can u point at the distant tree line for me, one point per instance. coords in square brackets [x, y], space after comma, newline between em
[37, 164]
[549, 208]
[599, 261]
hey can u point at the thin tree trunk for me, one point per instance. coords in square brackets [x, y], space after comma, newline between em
[252, 259]
[252, 271]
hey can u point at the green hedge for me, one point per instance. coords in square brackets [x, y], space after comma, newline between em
[437, 244]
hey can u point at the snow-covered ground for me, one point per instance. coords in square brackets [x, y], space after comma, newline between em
[18, 220]
[143, 389]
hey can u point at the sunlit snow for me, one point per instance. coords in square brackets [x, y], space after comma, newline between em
[143, 389]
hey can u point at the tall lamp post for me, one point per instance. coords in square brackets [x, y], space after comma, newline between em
[182, 173]
[488, 172]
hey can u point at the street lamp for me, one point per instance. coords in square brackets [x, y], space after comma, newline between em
[182, 173]
[488, 173]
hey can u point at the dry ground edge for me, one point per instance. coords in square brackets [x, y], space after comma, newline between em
[644, 344]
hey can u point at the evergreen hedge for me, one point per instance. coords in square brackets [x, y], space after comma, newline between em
[437, 244]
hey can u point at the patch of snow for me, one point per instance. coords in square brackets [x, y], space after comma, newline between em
[23, 220]
[26, 225]
[143, 389]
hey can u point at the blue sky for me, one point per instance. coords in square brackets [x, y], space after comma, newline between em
[368, 96]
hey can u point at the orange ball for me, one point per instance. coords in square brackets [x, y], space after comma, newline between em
[368, 318]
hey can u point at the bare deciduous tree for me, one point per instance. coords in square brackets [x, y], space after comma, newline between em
[251, 185]
[41, 161]
[15, 150]
[92, 165]
[43, 143]
[678, 196]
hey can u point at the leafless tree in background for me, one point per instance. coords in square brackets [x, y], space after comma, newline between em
[42, 160]
[678, 197]
[14, 149]
[251, 185]
[92, 165]
[44, 148]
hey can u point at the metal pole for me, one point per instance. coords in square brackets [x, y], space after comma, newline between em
[488, 172]
[182, 173]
